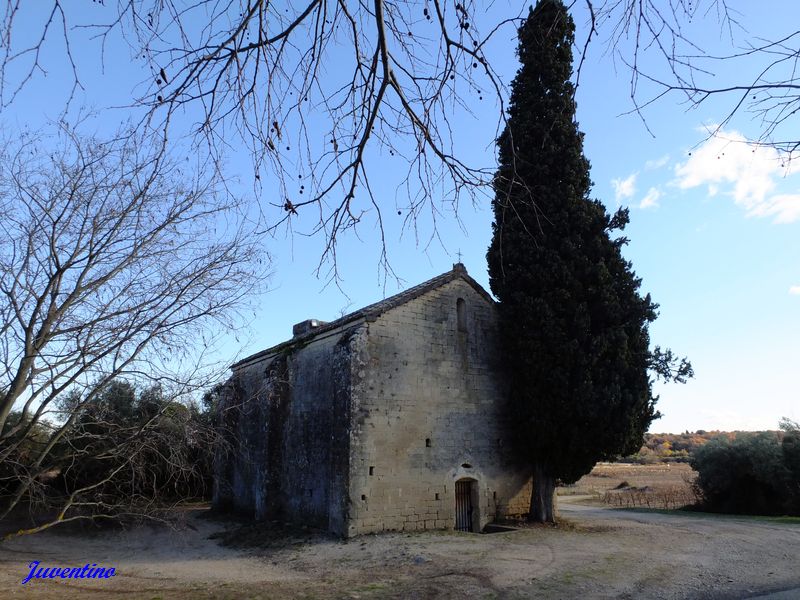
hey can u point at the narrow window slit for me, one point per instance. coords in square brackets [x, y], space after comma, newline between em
[461, 315]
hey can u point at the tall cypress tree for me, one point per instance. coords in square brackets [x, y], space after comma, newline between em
[574, 326]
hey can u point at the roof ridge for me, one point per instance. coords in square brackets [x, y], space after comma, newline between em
[458, 271]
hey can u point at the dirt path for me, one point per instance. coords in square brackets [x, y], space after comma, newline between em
[607, 554]
[703, 556]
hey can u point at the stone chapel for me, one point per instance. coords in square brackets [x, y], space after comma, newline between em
[387, 419]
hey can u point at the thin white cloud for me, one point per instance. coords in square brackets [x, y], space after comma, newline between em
[784, 208]
[795, 290]
[624, 188]
[728, 164]
[651, 198]
[652, 165]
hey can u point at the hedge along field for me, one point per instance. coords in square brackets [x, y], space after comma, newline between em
[661, 485]
[756, 473]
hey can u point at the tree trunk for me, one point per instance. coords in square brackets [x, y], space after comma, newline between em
[542, 496]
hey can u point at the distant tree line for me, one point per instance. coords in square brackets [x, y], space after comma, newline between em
[672, 447]
[676, 447]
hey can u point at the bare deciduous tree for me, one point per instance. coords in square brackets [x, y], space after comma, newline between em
[115, 261]
[314, 90]
[319, 91]
[127, 455]
[756, 78]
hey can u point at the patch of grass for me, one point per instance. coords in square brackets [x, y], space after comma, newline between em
[784, 520]
[686, 512]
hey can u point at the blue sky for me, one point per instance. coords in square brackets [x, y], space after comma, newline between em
[714, 227]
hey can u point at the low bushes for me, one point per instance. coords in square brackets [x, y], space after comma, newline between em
[116, 451]
[752, 474]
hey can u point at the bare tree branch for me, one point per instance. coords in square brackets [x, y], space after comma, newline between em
[314, 91]
[757, 78]
[112, 256]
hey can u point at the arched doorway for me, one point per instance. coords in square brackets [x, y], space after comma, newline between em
[466, 508]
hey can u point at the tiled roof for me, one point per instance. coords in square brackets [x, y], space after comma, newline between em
[373, 310]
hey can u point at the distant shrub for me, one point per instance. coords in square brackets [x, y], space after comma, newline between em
[791, 458]
[747, 475]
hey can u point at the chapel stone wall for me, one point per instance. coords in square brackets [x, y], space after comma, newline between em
[426, 403]
[287, 430]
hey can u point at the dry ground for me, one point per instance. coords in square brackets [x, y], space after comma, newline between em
[661, 485]
[606, 476]
[599, 553]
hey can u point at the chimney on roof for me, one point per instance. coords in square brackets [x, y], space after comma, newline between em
[304, 327]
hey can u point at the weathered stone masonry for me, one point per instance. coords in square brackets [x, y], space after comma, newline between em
[366, 423]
